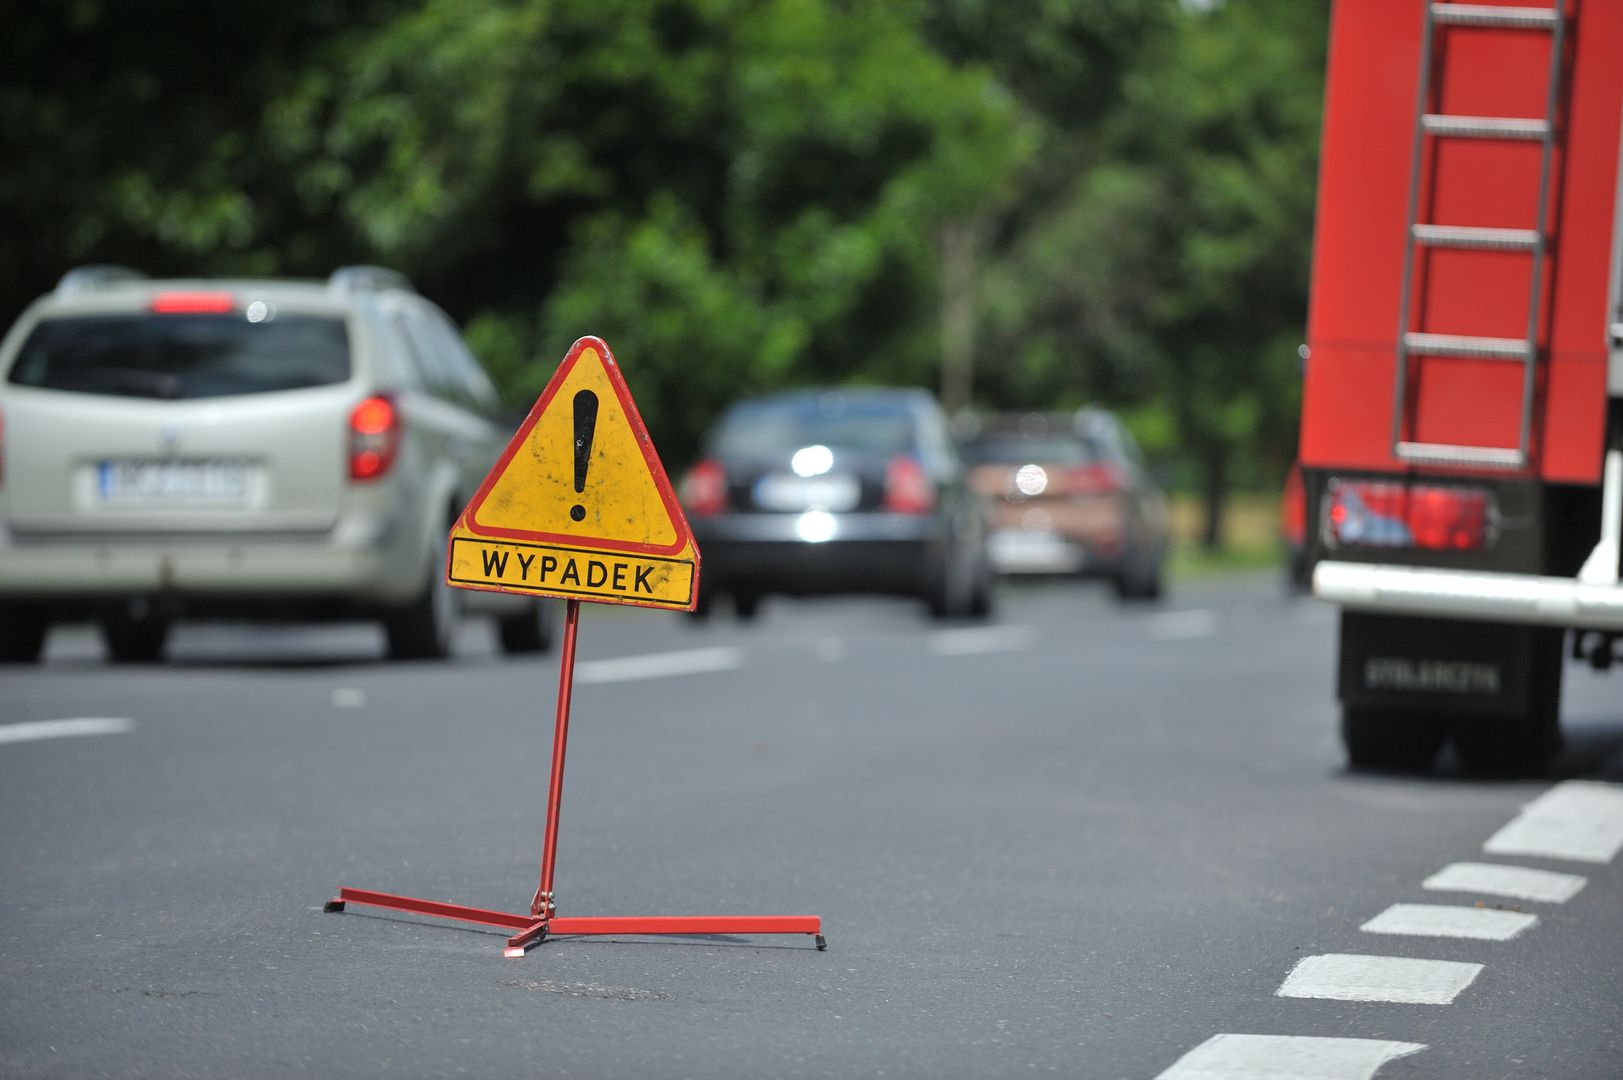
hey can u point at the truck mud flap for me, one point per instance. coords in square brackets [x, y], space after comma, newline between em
[1439, 665]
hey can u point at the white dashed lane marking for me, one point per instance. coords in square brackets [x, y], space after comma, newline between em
[1518, 882]
[980, 639]
[1578, 820]
[60, 729]
[1183, 625]
[1344, 977]
[660, 665]
[1447, 920]
[1286, 1057]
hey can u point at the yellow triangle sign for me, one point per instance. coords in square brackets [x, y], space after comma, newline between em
[578, 505]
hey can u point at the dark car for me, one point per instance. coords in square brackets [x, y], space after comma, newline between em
[852, 490]
[1073, 496]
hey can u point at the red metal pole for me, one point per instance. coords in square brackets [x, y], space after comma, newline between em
[542, 906]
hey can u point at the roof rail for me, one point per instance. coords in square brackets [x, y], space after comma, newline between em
[83, 279]
[367, 278]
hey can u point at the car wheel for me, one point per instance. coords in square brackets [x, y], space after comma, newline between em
[22, 634]
[1388, 741]
[702, 605]
[134, 636]
[747, 605]
[530, 632]
[952, 595]
[939, 599]
[424, 631]
[1139, 579]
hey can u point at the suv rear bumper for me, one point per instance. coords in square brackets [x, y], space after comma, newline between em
[285, 568]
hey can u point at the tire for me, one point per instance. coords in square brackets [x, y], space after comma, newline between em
[1387, 741]
[134, 636]
[530, 632]
[981, 600]
[425, 630]
[1140, 581]
[22, 634]
[1498, 746]
[940, 600]
[702, 605]
[747, 606]
[969, 597]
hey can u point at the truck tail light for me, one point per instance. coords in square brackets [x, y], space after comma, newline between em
[374, 438]
[704, 488]
[193, 303]
[908, 488]
[1381, 513]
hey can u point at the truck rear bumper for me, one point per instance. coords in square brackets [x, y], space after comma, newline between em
[1491, 597]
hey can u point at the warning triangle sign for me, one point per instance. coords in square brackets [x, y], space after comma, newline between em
[578, 505]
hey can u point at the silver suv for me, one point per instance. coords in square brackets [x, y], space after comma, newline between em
[240, 449]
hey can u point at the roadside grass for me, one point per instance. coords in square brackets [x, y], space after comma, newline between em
[1250, 536]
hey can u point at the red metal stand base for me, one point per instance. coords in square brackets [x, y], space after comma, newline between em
[532, 931]
[543, 919]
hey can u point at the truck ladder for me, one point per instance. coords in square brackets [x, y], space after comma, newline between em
[1442, 16]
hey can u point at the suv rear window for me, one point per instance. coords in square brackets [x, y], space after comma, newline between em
[183, 356]
[1021, 449]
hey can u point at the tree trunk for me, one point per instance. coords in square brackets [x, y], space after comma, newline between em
[960, 249]
[1214, 491]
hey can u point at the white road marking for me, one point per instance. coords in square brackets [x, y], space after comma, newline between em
[980, 639]
[58, 729]
[1519, 882]
[660, 665]
[1449, 920]
[1287, 1057]
[1344, 977]
[349, 697]
[1182, 625]
[1579, 820]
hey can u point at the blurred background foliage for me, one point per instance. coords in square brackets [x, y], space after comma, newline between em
[1019, 203]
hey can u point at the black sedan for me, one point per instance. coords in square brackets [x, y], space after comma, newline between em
[849, 490]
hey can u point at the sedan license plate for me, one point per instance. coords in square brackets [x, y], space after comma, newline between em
[791, 494]
[149, 482]
[1022, 551]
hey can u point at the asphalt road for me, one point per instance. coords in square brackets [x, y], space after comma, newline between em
[1082, 841]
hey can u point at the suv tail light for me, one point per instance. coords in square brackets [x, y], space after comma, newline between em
[908, 488]
[704, 488]
[193, 303]
[374, 438]
[1102, 478]
[1380, 513]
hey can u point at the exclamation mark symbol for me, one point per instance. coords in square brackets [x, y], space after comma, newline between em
[585, 427]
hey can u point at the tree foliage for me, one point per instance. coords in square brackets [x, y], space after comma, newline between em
[737, 194]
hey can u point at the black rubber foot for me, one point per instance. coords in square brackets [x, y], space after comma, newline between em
[333, 905]
[822, 943]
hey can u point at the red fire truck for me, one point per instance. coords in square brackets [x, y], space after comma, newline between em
[1462, 428]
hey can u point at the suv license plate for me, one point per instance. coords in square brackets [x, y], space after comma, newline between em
[173, 481]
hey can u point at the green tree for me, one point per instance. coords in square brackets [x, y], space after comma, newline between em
[734, 193]
[1170, 275]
